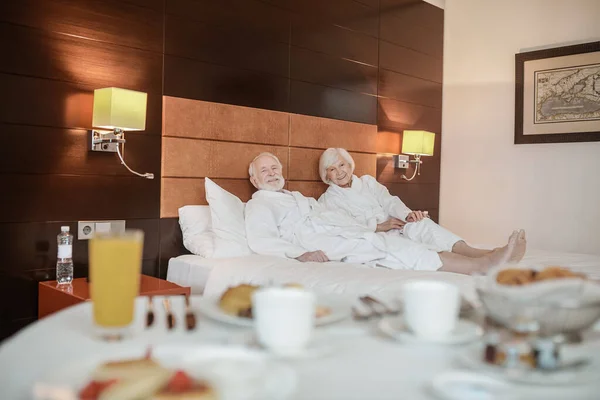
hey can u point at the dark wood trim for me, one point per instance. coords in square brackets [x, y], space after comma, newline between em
[520, 60]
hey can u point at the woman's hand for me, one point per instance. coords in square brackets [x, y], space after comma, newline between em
[416, 216]
[392, 223]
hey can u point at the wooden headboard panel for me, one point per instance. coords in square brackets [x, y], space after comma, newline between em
[204, 139]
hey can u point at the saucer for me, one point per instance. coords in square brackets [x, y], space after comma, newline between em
[464, 385]
[465, 331]
[471, 357]
[318, 347]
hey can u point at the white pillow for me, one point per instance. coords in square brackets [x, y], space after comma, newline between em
[227, 216]
[196, 227]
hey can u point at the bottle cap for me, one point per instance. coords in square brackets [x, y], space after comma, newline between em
[64, 229]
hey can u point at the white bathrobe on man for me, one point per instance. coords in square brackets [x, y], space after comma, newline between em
[288, 224]
[370, 203]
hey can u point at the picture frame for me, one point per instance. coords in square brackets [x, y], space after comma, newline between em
[557, 95]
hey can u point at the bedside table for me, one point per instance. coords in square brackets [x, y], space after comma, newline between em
[53, 297]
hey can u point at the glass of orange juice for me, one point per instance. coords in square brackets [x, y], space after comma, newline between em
[115, 267]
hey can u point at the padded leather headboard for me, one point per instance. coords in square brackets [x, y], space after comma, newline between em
[204, 139]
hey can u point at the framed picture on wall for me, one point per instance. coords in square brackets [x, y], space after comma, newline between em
[557, 95]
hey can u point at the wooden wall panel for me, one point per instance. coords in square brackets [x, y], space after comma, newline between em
[52, 197]
[410, 62]
[417, 197]
[399, 115]
[388, 142]
[411, 33]
[321, 101]
[105, 21]
[207, 120]
[44, 150]
[248, 18]
[32, 245]
[322, 133]
[45, 102]
[409, 89]
[349, 14]
[310, 66]
[224, 46]
[179, 192]
[304, 164]
[202, 81]
[74, 59]
[334, 40]
[430, 171]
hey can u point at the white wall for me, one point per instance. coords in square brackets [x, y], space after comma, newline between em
[489, 186]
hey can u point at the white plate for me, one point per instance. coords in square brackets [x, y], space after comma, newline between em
[210, 307]
[465, 331]
[237, 373]
[464, 385]
[472, 357]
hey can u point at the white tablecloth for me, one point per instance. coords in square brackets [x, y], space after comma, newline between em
[362, 365]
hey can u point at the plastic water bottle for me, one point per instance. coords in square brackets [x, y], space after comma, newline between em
[64, 262]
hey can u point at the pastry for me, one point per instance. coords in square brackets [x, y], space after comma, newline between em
[237, 300]
[143, 379]
[518, 276]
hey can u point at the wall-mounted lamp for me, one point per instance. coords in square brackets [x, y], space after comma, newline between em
[417, 143]
[119, 110]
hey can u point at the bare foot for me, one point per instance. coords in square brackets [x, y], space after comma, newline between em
[501, 255]
[520, 247]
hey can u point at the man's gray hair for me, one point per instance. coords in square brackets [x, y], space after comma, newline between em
[266, 153]
[329, 157]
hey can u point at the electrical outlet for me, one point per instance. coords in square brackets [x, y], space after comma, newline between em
[85, 230]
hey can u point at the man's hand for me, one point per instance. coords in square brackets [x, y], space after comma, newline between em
[314, 256]
[416, 216]
[392, 223]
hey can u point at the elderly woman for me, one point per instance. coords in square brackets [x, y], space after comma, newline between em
[370, 203]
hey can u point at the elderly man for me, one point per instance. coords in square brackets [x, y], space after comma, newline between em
[288, 224]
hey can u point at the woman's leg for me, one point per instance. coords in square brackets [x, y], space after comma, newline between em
[453, 262]
[461, 247]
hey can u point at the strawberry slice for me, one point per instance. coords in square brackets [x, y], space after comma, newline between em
[180, 383]
[93, 389]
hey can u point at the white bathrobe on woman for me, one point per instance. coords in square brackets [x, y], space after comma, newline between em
[370, 203]
[288, 224]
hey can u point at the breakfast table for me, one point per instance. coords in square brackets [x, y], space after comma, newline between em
[348, 359]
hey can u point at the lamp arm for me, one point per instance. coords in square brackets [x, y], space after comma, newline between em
[417, 161]
[146, 175]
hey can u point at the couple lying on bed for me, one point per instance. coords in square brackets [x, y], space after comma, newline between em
[356, 220]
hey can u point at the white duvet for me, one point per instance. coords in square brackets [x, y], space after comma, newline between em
[345, 278]
[331, 277]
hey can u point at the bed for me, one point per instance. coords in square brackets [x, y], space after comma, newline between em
[221, 258]
[211, 276]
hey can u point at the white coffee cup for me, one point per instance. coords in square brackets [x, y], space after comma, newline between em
[284, 318]
[431, 307]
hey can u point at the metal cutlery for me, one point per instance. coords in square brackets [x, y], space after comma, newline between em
[373, 303]
[190, 318]
[150, 313]
[170, 316]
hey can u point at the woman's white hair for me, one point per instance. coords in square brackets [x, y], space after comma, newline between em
[251, 167]
[329, 157]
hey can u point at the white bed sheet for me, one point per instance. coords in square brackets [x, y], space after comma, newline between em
[213, 276]
[190, 270]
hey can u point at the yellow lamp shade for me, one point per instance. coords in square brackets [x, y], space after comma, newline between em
[418, 142]
[119, 108]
